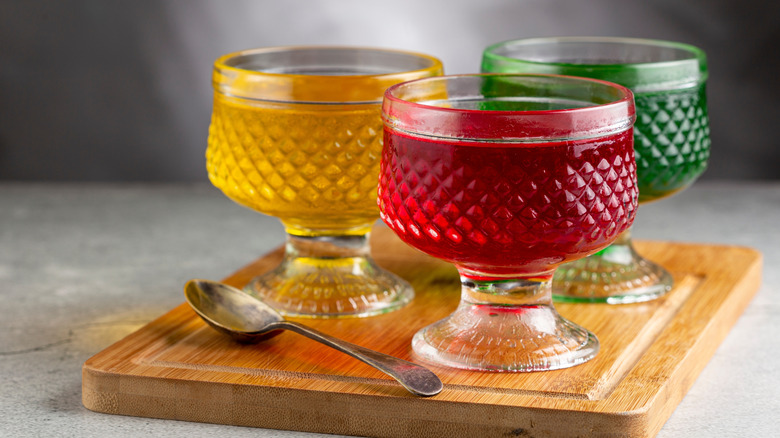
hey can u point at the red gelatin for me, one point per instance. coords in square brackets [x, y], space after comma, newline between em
[507, 208]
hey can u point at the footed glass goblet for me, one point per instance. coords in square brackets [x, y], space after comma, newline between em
[507, 177]
[296, 133]
[671, 140]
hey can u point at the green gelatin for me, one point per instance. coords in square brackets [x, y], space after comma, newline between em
[668, 79]
[671, 140]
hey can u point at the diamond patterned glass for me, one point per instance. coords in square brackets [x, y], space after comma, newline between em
[296, 134]
[506, 206]
[671, 139]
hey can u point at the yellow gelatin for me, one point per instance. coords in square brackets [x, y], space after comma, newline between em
[304, 143]
[314, 168]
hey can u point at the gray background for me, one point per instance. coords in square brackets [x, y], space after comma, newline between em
[106, 90]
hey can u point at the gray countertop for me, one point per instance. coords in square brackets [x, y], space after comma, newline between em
[81, 266]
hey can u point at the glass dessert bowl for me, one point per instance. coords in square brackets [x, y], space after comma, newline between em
[671, 140]
[507, 177]
[296, 133]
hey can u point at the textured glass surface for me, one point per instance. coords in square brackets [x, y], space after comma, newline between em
[507, 195]
[671, 139]
[296, 133]
[313, 168]
[502, 209]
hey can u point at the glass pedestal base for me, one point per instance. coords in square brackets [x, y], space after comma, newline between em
[615, 275]
[508, 326]
[330, 277]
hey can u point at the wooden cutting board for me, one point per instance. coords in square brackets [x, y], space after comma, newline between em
[176, 367]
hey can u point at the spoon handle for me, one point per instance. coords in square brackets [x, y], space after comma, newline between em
[416, 379]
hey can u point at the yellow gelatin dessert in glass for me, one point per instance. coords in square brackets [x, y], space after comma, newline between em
[296, 133]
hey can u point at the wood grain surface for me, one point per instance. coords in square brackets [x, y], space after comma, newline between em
[176, 367]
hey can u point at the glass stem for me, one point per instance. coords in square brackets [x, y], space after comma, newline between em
[620, 251]
[326, 247]
[623, 238]
[519, 291]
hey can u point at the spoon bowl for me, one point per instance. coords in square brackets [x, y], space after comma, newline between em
[247, 319]
[232, 311]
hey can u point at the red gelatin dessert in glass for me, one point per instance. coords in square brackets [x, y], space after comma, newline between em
[507, 177]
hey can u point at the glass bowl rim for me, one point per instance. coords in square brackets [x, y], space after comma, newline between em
[313, 88]
[688, 72]
[536, 126]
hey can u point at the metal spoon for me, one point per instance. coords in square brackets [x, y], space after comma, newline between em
[247, 319]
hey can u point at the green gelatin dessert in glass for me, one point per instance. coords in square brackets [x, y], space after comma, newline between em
[671, 140]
